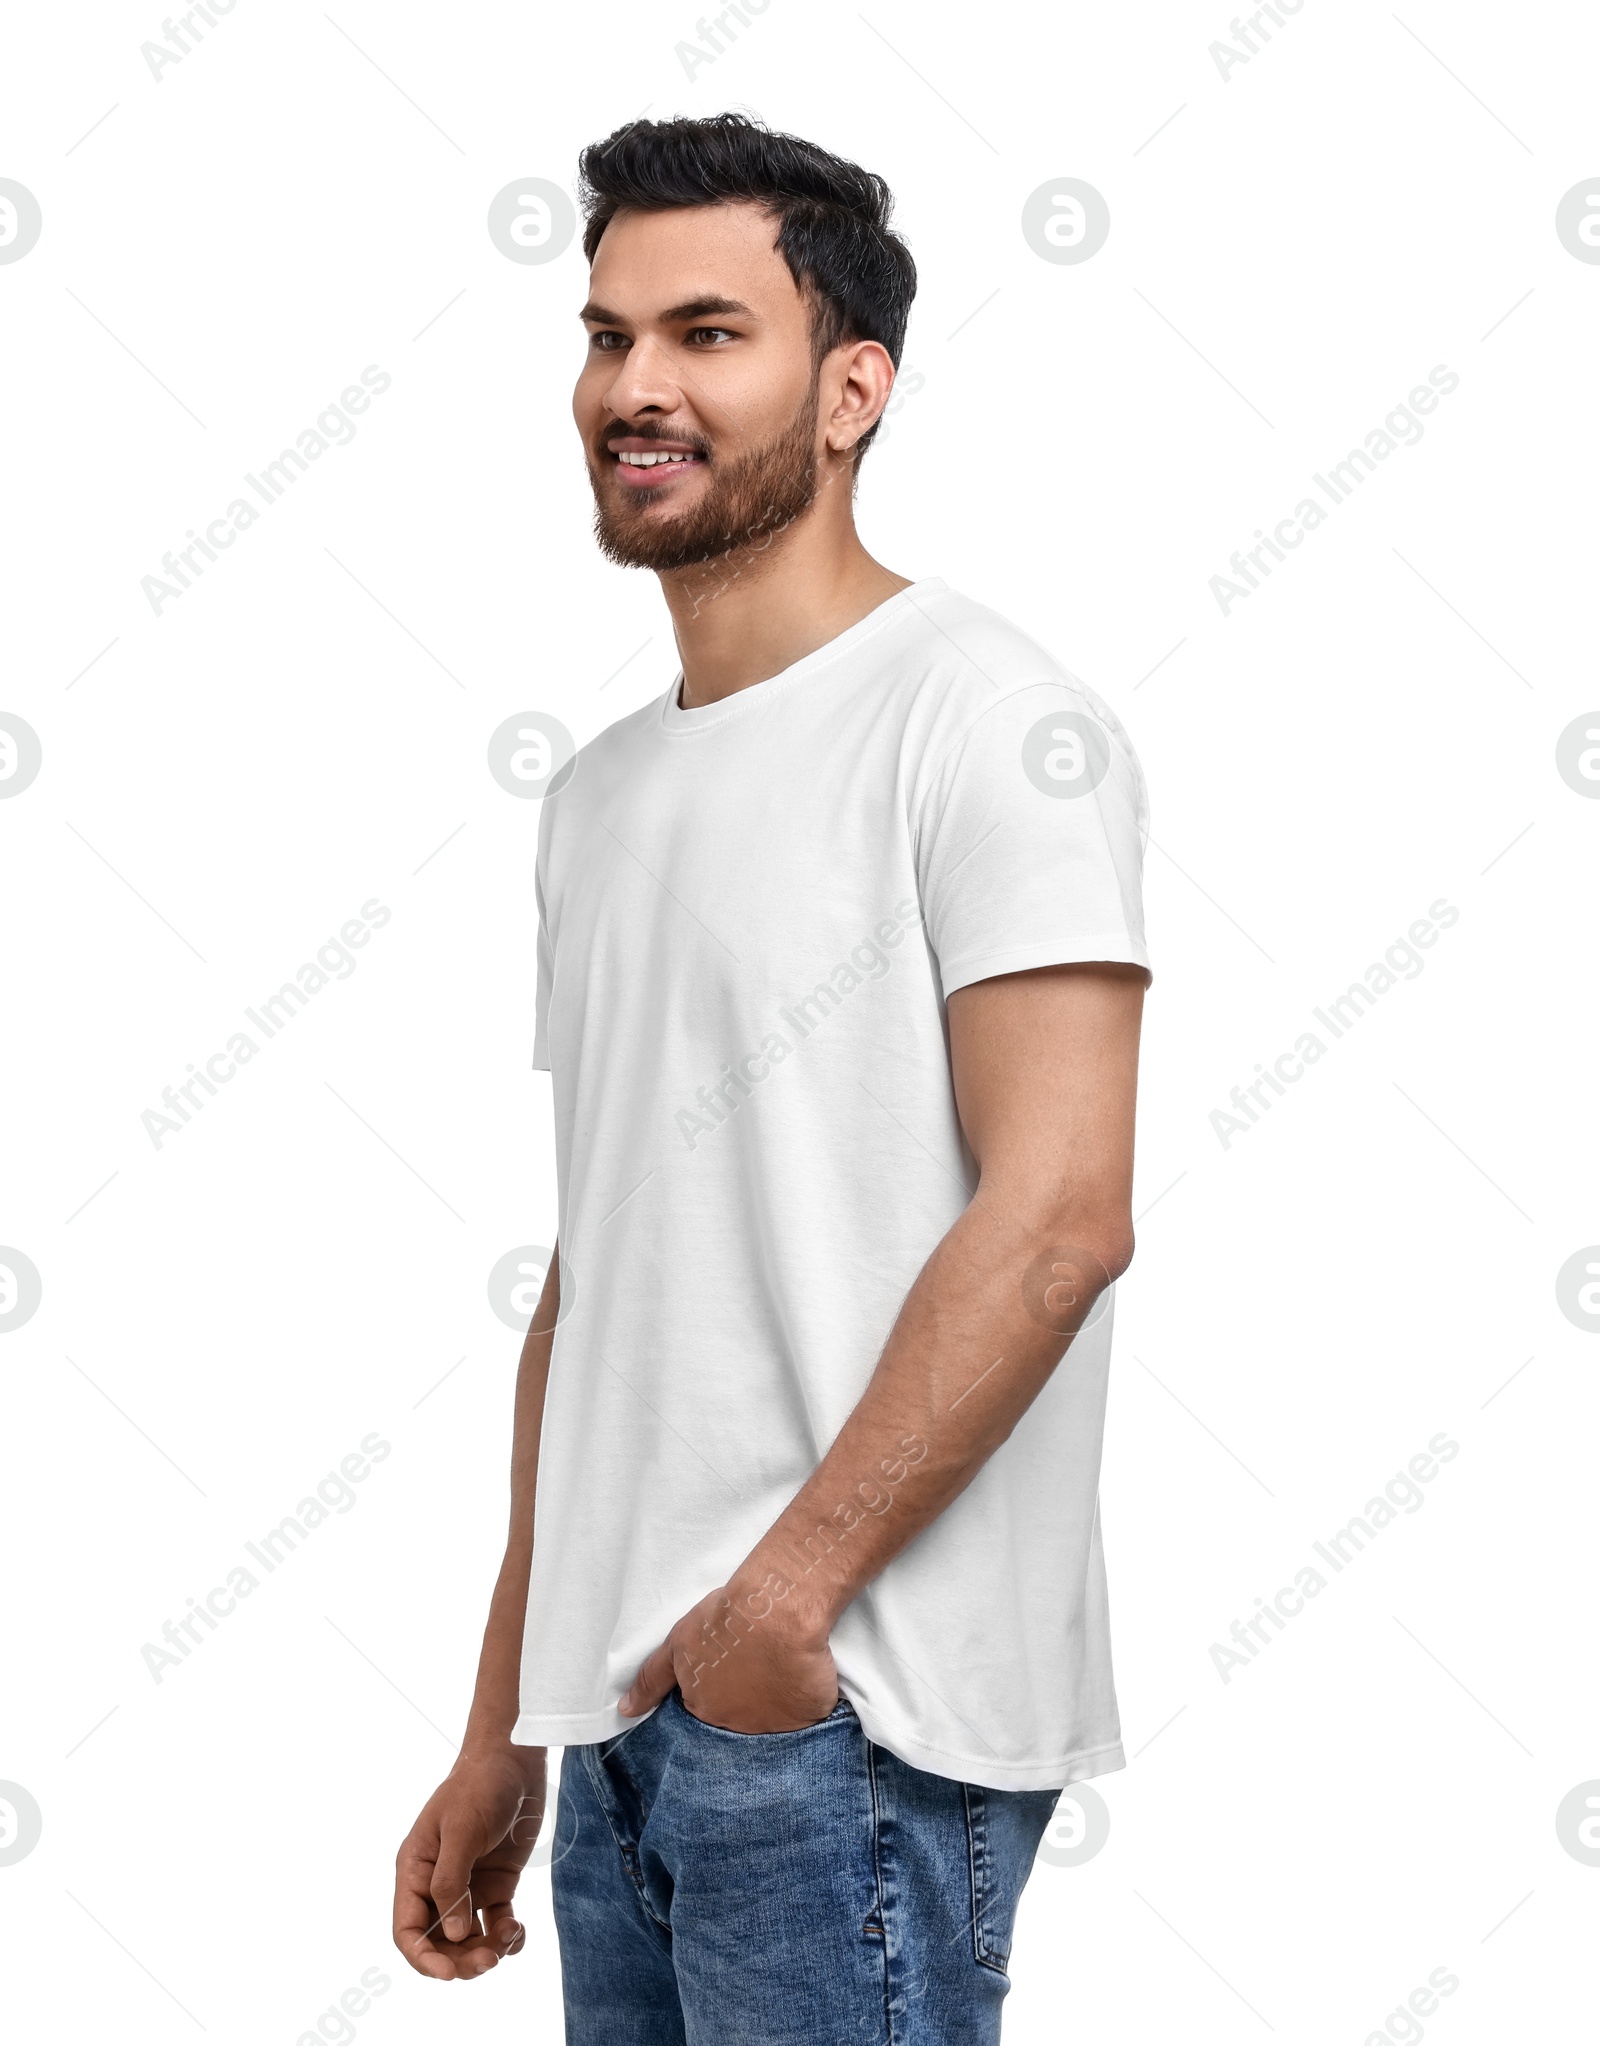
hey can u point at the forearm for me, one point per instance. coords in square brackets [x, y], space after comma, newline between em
[985, 1324]
[494, 1702]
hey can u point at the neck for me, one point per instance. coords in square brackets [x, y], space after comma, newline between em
[749, 614]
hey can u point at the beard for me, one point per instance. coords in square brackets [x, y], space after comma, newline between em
[744, 507]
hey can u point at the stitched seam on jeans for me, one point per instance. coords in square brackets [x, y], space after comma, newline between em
[877, 1878]
[594, 1768]
[974, 1880]
[972, 1802]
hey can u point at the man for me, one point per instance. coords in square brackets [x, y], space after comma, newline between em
[840, 975]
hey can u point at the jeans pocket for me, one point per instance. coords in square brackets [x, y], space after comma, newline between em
[1004, 1828]
[842, 1709]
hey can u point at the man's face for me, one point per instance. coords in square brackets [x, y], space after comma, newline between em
[697, 403]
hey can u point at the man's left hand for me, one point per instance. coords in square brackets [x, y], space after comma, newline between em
[749, 1674]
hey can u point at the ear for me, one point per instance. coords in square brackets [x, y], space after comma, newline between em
[858, 378]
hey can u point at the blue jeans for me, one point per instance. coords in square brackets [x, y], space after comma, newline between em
[782, 1889]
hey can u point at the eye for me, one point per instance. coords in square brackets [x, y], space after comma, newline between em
[607, 341]
[712, 334]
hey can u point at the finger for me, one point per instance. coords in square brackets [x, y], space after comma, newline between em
[492, 1927]
[451, 1888]
[493, 1889]
[502, 1928]
[651, 1685]
[415, 1919]
[477, 1957]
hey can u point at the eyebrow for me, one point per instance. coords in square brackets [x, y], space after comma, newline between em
[691, 309]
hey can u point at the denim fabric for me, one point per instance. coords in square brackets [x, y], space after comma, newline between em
[783, 1889]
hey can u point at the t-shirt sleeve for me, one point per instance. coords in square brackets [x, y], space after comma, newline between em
[541, 994]
[1030, 840]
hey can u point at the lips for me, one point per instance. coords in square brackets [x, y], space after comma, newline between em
[651, 464]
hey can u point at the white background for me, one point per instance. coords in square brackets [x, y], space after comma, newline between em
[226, 783]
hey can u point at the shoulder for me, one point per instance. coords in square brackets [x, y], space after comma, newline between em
[612, 751]
[618, 741]
[598, 767]
[984, 675]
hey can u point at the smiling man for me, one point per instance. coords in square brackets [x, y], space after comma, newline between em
[840, 973]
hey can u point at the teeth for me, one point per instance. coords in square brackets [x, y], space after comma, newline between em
[649, 461]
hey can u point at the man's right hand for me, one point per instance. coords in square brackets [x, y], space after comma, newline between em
[457, 1868]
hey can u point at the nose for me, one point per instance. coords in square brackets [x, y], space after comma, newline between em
[643, 385]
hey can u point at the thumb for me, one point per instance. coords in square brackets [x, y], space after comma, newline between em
[651, 1685]
[451, 1888]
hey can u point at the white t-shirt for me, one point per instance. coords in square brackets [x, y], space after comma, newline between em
[751, 915]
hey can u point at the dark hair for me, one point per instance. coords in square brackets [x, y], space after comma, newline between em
[833, 216]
